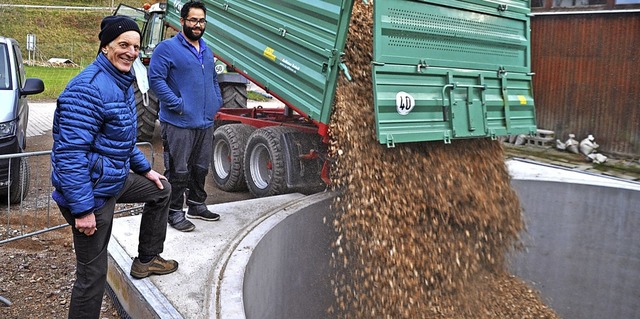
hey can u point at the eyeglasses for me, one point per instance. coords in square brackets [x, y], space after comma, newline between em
[196, 21]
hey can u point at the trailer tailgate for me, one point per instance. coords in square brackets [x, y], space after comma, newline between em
[451, 69]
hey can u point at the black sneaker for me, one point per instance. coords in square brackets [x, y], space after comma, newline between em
[201, 212]
[177, 221]
[156, 266]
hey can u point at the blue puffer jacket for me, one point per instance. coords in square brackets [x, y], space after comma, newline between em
[94, 136]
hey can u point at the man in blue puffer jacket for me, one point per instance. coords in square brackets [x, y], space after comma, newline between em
[96, 163]
[182, 75]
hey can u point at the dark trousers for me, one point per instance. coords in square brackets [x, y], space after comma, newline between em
[187, 154]
[91, 251]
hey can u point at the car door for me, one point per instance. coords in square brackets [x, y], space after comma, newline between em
[22, 109]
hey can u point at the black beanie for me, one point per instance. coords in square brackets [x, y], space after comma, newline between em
[113, 26]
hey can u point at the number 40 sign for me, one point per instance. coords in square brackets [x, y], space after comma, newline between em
[404, 103]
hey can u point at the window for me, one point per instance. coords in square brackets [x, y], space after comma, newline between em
[578, 3]
[582, 5]
[20, 72]
[537, 3]
[5, 69]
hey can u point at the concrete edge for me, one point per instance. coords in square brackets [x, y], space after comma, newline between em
[229, 300]
[524, 169]
[218, 272]
[139, 298]
[214, 275]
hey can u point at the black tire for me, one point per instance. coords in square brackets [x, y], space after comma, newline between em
[234, 95]
[146, 114]
[264, 162]
[227, 158]
[19, 188]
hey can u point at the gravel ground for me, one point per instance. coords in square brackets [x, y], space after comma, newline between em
[37, 273]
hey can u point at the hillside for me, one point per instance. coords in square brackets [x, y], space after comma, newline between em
[71, 34]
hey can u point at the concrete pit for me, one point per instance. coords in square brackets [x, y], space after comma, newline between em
[582, 250]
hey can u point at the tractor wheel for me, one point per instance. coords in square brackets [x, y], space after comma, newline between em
[19, 187]
[146, 114]
[234, 95]
[264, 162]
[227, 157]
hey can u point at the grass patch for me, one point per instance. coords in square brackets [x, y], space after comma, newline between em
[55, 80]
[69, 34]
[255, 96]
[59, 33]
[76, 3]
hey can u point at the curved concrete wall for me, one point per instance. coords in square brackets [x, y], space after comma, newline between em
[288, 275]
[583, 250]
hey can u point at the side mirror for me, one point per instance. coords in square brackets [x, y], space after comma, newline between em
[32, 86]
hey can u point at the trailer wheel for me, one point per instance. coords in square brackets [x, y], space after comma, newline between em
[264, 162]
[227, 157]
[234, 95]
[146, 115]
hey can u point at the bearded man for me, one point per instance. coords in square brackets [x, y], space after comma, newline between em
[182, 75]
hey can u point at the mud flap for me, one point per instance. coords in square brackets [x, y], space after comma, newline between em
[303, 172]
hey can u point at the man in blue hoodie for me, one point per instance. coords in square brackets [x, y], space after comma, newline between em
[182, 75]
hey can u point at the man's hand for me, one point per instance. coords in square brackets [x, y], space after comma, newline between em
[87, 224]
[155, 177]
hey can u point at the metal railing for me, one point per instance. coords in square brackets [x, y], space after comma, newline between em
[37, 213]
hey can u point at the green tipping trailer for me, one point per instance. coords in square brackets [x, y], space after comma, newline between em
[442, 69]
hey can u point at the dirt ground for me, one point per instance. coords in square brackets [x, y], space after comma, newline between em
[37, 273]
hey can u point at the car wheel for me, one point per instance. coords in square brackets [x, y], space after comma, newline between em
[19, 187]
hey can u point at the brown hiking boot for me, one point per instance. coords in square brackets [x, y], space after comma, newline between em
[156, 266]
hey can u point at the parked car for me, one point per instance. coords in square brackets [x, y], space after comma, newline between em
[14, 116]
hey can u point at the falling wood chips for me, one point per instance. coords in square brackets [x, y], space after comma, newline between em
[422, 229]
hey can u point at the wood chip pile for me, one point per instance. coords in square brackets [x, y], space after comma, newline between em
[422, 229]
